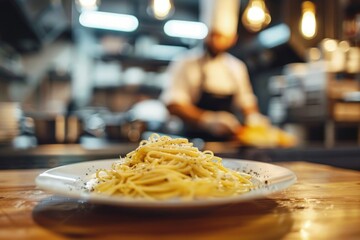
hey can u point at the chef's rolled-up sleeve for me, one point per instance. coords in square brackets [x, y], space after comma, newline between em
[177, 89]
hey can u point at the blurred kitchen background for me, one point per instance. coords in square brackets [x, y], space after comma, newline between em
[80, 80]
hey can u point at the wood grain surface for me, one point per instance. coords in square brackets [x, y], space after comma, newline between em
[323, 204]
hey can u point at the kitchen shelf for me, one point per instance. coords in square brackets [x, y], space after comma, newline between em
[148, 64]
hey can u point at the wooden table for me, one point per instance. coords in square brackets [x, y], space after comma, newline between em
[323, 204]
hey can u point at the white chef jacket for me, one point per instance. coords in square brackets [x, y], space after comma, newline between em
[224, 74]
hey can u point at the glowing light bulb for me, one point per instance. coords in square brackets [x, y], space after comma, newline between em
[161, 9]
[308, 26]
[87, 5]
[256, 16]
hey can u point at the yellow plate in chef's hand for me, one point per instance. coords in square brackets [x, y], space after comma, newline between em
[265, 137]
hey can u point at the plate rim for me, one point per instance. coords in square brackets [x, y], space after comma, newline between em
[271, 188]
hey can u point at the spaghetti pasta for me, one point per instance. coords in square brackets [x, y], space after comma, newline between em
[164, 168]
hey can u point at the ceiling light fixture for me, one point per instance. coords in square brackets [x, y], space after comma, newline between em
[185, 29]
[256, 16]
[109, 21]
[87, 5]
[308, 26]
[274, 36]
[161, 9]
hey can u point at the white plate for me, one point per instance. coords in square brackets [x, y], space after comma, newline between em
[69, 180]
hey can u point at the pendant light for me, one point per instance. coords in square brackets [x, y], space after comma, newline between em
[256, 16]
[87, 5]
[308, 26]
[161, 9]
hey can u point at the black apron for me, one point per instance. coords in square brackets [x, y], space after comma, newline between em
[212, 102]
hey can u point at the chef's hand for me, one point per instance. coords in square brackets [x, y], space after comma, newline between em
[256, 120]
[220, 123]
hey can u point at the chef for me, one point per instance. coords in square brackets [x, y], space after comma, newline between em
[209, 88]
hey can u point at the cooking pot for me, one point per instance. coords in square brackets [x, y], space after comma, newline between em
[56, 128]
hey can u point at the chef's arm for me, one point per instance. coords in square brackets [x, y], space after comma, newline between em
[187, 112]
